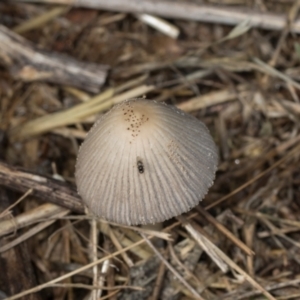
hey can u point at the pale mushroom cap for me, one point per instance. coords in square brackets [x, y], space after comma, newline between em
[145, 162]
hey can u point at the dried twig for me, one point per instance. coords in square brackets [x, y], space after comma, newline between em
[224, 230]
[45, 188]
[186, 10]
[27, 63]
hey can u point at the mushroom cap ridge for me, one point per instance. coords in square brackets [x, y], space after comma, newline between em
[145, 162]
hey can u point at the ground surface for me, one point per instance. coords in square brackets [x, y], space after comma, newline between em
[242, 85]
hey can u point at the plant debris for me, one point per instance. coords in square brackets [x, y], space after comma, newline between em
[61, 67]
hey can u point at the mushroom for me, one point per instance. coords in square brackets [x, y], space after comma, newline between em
[144, 162]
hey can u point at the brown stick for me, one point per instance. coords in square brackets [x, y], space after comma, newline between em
[224, 230]
[47, 189]
[186, 10]
[24, 61]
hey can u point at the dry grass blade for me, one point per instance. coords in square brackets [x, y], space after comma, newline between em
[160, 24]
[78, 113]
[238, 30]
[174, 272]
[155, 233]
[121, 241]
[270, 287]
[273, 72]
[210, 99]
[158, 234]
[265, 216]
[92, 287]
[68, 275]
[38, 214]
[117, 244]
[275, 165]
[222, 259]
[275, 231]
[224, 230]
[41, 20]
[31, 232]
[205, 244]
[6, 211]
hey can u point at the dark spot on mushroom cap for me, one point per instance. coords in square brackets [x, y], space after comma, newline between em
[178, 166]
